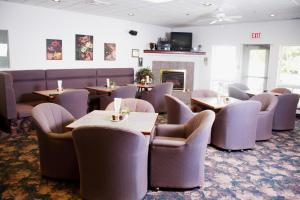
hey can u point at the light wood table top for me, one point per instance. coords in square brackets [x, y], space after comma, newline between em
[102, 89]
[139, 121]
[51, 93]
[214, 103]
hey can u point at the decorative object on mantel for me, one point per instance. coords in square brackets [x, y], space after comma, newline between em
[142, 74]
[176, 52]
[152, 46]
[135, 53]
[84, 47]
[110, 51]
[54, 49]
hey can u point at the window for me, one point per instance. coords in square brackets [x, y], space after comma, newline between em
[224, 67]
[4, 56]
[289, 69]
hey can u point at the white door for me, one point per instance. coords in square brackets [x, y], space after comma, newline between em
[255, 66]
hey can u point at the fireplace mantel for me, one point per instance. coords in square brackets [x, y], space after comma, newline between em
[176, 52]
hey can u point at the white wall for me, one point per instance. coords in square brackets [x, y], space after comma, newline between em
[275, 33]
[30, 26]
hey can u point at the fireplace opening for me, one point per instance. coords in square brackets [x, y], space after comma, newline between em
[177, 77]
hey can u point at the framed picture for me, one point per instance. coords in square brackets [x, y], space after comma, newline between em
[84, 47]
[110, 51]
[135, 53]
[53, 49]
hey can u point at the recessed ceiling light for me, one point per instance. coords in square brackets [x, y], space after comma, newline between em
[272, 15]
[130, 14]
[207, 4]
[158, 1]
[56, 0]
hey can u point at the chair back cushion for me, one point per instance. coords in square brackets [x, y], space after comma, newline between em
[125, 92]
[268, 101]
[237, 93]
[112, 162]
[177, 111]
[282, 90]
[7, 97]
[75, 101]
[285, 112]
[50, 117]
[133, 105]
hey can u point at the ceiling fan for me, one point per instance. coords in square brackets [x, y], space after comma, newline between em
[222, 17]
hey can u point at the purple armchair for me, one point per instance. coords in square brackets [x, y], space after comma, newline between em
[156, 96]
[265, 116]
[281, 90]
[57, 153]
[237, 93]
[235, 126]
[75, 101]
[199, 94]
[112, 162]
[178, 152]
[121, 92]
[134, 105]
[241, 86]
[285, 112]
[177, 111]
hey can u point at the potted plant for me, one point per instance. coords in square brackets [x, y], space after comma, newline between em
[140, 75]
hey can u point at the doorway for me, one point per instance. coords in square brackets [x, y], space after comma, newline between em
[255, 66]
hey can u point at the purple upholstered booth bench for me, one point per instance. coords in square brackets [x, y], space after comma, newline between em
[16, 87]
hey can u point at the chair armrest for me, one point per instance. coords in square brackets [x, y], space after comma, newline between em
[170, 130]
[168, 141]
[61, 136]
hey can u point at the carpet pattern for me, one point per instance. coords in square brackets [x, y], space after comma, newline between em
[270, 171]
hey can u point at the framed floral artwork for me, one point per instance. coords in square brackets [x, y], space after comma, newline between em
[110, 51]
[84, 47]
[54, 49]
[135, 53]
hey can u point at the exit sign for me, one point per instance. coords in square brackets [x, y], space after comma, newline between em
[255, 35]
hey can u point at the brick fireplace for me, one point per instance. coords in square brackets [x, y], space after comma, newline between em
[178, 72]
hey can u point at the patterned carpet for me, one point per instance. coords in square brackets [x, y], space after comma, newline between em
[270, 171]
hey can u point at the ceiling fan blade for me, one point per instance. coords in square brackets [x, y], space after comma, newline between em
[213, 22]
[234, 17]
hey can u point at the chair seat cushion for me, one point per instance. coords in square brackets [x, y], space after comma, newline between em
[168, 141]
[23, 110]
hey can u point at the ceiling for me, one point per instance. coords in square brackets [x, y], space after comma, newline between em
[178, 13]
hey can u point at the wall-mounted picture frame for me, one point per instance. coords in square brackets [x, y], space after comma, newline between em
[110, 51]
[53, 49]
[84, 47]
[135, 53]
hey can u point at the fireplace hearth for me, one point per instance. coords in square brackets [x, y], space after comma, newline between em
[176, 76]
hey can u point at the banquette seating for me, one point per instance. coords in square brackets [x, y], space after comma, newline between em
[16, 94]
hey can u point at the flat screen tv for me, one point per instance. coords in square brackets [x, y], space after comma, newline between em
[181, 41]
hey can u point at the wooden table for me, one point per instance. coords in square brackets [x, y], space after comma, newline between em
[102, 89]
[51, 94]
[141, 87]
[214, 103]
[139, 121]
